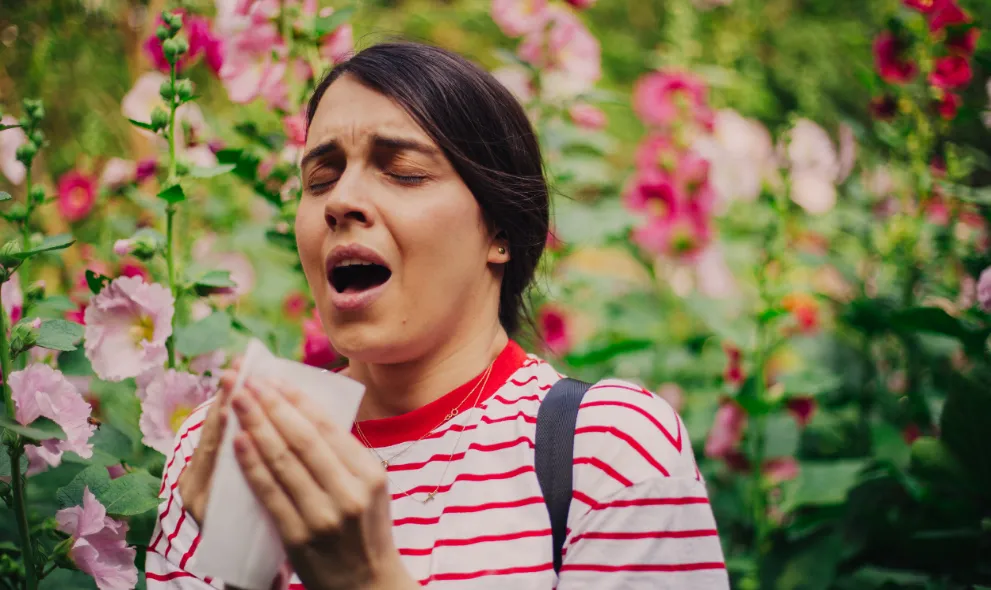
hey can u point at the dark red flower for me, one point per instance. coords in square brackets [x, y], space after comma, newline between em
[946, 13]
[884, 108]
[923, 6]
[951, 72]
[802, 408]
[890, 60]
[146, 169]
[948, 106]
[963, 42]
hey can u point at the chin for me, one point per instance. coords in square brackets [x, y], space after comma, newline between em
[370, 342]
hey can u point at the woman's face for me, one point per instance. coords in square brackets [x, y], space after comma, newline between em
[392, 242]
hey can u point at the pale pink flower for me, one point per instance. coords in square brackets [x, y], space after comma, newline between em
[117, 172]
[587, 116]
[127, 325]
[317, 349]
[984, 289]
[519, 17]
[241, 270]
[566, 52]
[813, 193]
[295, 128]
[123, 247]
[143, 97]
[727, 430]
[13, 298]
[247, 79]
[809, 149]
[780, 469]
[209, 362]
[76, 195]
[166, 401]
[339, 45]
[518, 80]
[848, 152]
[10, 140]
[665, 97]
[741, 156]
[682, 234]
[99, 544]
[200, 156]
[714, 279]
[41, 391]
[555, 329]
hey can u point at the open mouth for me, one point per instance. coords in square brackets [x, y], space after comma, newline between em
[355, 276]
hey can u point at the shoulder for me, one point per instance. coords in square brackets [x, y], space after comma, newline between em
[626, 435]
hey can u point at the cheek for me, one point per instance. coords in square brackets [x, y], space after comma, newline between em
[310, 230]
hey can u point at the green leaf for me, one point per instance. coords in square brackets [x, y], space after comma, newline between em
[119, 406]
[173, 194]
[821, 484]
[63, 579]
[607, 352]
[54, 306]
[812, 382]
[74, 362]
[39, 430]
[96, 282]
[134, 493]
[147, 126]
[326, 24]
[963, 425]
[59, 335]
[871, 577]
[780, 436]
[752, 404]
[94, 477]
[207, 335]
[5, 196]
[49, 244]
[6, 127]
[5, 464]
[214, 279]
[198, 172]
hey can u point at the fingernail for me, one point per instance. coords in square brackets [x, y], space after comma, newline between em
[241, 403]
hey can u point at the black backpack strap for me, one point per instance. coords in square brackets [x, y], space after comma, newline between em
[554, 454]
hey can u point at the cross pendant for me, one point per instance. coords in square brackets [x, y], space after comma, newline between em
[430, 496]
[385, 464]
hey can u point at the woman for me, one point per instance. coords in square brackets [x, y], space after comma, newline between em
[424, 213]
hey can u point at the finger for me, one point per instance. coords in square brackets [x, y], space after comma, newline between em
[205, 456]
[309, 498]
[330, 470]
[290, 523]
[354, 454]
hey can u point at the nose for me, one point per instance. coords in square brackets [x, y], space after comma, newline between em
[348, 203]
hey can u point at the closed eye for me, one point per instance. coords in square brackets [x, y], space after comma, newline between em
[319, 187]
[408, 179]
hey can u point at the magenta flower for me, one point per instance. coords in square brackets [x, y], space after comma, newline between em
[127, 325]
[99, 544]
[317, 350]
[662, 98]
[581, 4]
[952, 71]
[166, 401]
[41, 391]
[946, 13]
[554, 329]
[339, 45]
[10, 140]
[13, 298]
[891, 61]
[727, 430]
[683, 234]
[202, 43]
[566, 51]
[76, 195]
[295, 127]
[519, 17]
[587, 116]
[653, 192]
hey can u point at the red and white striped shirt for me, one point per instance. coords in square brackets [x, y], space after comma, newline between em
[639, 516]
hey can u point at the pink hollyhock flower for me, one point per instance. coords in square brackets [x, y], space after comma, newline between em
[802, 408]
[339, 45]
[923, 6]
[41, 391]
[210, 362]
[10, 140]
[202, 43]
[145, 169]
[249, 79]
[295, 127]
[518, 80]
[813, 193]
[566, 51]
[952, 71]
[587, 116]
[984, 289]
[166, 401]
[713, 277]
[133, 268]
[890, 60]
[741, 157]
[963, 43]
[554, 329]
[653, 192]
[847, 153]
[295, 304]
[519, 17]
[662, 98]
[780, 469]
[581, 4]
[127, 325]
[123, 247]
[76, 195]
[946, 13]
[317, 350]
[99, 544]
[727, 430]
[117, 172]
[682, 234]
[809, 149]
[884, 108]
[13, 298]
[949, 105]
[734, 365]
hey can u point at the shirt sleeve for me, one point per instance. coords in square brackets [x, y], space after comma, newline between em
[176, 535]
[640, 516]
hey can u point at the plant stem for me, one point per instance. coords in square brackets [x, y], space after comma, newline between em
[15, 450]
[170, 211]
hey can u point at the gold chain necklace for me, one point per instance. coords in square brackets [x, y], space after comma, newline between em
[450, 415]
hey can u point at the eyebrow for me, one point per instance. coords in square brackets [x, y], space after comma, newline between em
[378, 141]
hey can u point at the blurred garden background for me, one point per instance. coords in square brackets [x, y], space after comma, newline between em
[773, 213]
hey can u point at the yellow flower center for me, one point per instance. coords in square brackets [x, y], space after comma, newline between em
[143, 329]
[179, 416]
[78, 197]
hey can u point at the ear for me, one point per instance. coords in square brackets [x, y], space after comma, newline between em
[499, 249]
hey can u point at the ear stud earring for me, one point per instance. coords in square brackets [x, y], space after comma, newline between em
[502, 250]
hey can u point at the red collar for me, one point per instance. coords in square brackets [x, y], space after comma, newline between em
[384, 432]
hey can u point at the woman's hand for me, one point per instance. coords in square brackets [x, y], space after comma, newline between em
[326, 494]
[194, 482]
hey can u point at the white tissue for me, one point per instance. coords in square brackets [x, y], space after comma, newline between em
[239, 543]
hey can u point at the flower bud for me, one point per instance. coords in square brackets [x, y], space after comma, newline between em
[181, 168]
[182, 46]
[23, 335]
[38, 137]
[162, 33]
[35, 291]
[123, 247]
[16, 212]
[159, 118]
[166, 90]
[34, 109]
[37, 194]
[171, 50]
[184, 89]
[26, 153]
[9, 252]
[36, 323]
[173, 20]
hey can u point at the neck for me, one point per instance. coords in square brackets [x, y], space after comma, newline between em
[394, 389]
